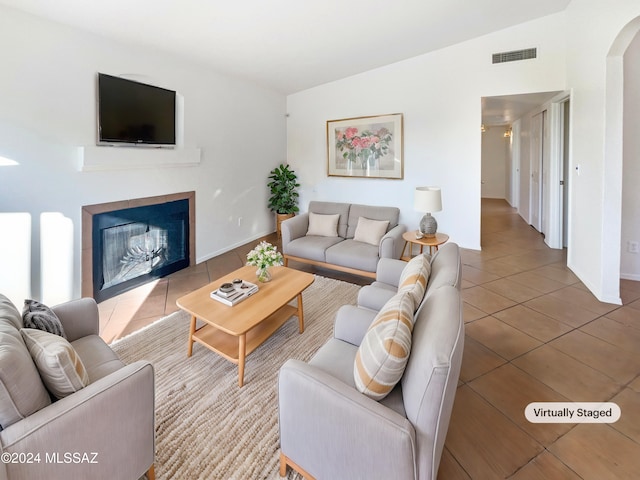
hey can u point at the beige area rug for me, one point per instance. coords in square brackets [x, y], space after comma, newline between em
[207, 427]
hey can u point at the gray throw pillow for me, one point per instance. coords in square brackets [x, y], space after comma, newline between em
[38, 315]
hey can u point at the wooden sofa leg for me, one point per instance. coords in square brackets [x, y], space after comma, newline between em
[283, 465]
[284, 462]
[151, 473]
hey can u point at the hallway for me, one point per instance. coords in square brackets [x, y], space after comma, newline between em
[534, 333]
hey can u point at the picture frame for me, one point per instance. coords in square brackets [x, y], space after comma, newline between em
[366, 147]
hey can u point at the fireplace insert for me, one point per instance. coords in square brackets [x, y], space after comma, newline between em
[135, 245]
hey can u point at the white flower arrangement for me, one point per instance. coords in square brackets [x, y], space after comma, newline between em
[264, 255]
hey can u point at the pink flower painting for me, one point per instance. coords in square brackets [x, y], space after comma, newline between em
[361, 147]
[365, 147]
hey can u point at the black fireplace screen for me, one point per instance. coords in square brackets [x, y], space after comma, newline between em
[136, 245]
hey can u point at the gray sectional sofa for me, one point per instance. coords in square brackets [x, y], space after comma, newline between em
[350, 247]
[329, 429]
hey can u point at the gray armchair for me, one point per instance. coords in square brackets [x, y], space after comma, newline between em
[328, 429]
[103, 431]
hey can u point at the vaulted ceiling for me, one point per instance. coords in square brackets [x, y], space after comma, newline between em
[292, 45]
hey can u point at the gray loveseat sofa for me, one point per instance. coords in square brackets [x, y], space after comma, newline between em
[104, 430]
[328, 429]
[342, 249]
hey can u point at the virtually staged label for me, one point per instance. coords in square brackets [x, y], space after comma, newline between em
[572, 412]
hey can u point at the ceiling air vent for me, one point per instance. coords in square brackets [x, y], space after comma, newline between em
[515, 55]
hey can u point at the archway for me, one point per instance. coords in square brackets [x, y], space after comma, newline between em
[614, 154]
[630, 224]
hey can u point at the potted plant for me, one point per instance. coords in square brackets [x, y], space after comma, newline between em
[284, 197]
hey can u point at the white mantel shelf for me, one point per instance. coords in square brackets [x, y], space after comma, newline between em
[95, 158]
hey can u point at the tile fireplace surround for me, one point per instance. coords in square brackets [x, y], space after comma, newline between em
[88, 211]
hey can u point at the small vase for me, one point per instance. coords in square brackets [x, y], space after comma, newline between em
[263, 274]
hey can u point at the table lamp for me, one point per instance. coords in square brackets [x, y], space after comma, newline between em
[428, 200]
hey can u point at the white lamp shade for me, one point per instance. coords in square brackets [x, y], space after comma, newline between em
[427, 199]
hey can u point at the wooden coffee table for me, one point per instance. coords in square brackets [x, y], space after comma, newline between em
[235, 332]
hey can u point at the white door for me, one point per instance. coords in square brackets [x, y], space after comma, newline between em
[545, 190]
[565, 173]
[515, 165]
[535, 186]
[554, 212]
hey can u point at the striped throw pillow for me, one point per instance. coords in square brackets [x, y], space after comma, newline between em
[384, 351]
[414, 277]
[60, 367]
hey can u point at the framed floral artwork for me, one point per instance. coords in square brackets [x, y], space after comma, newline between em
[368, 147]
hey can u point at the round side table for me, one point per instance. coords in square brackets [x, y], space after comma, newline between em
[431, 242]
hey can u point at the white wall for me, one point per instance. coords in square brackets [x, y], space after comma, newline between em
[596, 41]
[47, 111]
[47, 101]
[580, 50]
[439, 94]
[630, 262]
[495, 163]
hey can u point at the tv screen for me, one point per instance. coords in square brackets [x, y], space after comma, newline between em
[131, 112]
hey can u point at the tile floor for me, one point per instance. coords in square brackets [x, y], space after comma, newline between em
[533, 333]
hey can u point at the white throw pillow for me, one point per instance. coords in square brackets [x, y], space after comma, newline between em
[60, 367]
[370, 231]
[323, 225]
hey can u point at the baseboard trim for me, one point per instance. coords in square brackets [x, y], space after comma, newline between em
[630, 276]
[237, 244]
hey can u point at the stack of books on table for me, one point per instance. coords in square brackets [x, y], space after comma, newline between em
[240, 292]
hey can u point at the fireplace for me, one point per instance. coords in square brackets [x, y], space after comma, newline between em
[145, 240]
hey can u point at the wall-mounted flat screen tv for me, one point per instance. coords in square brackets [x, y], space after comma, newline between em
[134, 113]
